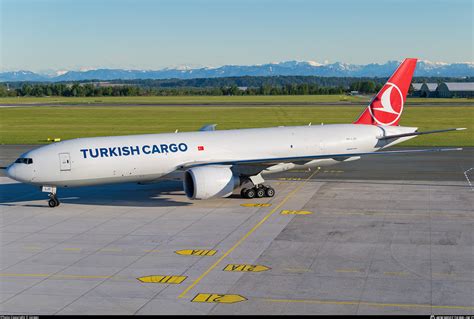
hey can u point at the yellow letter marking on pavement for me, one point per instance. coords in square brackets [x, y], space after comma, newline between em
[295, 212]
[218, 298]
[196, 252]
[241, 240]
[160, 279]
[256, 205]
[246, 268]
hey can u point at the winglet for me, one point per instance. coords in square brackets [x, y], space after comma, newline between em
[208, 127]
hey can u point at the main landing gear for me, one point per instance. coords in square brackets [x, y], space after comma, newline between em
[258, 191]
[53, 199]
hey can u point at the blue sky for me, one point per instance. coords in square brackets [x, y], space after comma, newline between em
[43, 35]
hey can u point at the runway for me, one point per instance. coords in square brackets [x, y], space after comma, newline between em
[383, 235]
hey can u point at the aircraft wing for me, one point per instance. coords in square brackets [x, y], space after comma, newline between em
[387, 137]
[303, 159]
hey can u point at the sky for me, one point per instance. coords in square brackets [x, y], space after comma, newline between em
[45, 35]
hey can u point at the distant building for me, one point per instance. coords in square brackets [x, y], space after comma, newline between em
[416, 89]
[428, 90]
[456, 89]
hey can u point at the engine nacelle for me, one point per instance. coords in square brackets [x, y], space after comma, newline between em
[204, 182]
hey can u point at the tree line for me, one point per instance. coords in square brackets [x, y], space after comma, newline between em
[89, 90]
[244, 85]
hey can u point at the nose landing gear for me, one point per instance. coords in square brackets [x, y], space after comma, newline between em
[53, 199]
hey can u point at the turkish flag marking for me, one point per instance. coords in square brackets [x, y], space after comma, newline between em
[200, 148]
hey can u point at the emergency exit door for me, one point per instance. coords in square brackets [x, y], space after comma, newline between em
[64, 162]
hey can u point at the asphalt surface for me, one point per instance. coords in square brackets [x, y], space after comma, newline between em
[383, 235]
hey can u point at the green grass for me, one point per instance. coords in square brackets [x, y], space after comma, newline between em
[181, 99]
[33, 125]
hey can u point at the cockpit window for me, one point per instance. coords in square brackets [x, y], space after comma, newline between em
[24, 160]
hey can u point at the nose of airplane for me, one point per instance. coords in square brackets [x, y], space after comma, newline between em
[10, 171]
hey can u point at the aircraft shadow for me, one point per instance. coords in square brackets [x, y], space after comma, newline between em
[129, 194]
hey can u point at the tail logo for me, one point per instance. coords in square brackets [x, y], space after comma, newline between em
[387, 106]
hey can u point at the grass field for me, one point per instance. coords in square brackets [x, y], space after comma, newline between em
[33, 125]
[182, 99]
[210, 99]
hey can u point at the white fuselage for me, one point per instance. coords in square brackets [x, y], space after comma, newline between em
[145, 158]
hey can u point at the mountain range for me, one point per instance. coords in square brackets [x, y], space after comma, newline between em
[300, 68]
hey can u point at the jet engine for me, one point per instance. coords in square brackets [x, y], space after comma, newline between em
[204, 182]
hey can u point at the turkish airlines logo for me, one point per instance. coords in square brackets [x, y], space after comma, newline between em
[387, 106]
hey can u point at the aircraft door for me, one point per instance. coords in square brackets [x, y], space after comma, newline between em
[64, 162]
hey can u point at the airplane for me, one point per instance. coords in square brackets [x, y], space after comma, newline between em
[214, 163]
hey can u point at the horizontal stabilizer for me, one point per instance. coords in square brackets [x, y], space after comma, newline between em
[419, 133]
[209, 127]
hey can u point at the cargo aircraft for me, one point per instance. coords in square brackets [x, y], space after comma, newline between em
[214, 163]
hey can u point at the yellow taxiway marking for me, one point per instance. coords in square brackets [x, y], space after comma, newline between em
[256, 205]
[72, 249]
[295, 212]
[348, 270]
[444, 274]
[241, 240]
[196, 252]
[32, 247]
[245, 268]
[162, 279]
[218, 298]
[369, 304]
[151, 250]
[291, 178]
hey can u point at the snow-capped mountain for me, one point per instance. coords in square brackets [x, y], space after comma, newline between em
[338, 69]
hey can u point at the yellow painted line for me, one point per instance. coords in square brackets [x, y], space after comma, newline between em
[291, 178]
[348, 270]
[32, 247]
[72, 249]
[256, 205]
[241, 240]
[369, 304]
[295, 212]
[163, 279]
[246, 268]
[218, 298]
[196, 252]
[151, 250]
[395, 273]
[444, 274]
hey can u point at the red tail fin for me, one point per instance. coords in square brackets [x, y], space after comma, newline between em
[387, 106]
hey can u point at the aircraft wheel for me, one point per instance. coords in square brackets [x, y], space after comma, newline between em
[269, 191]
[260, 192]
[52, 203]
[250, 193]
[242, 193]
